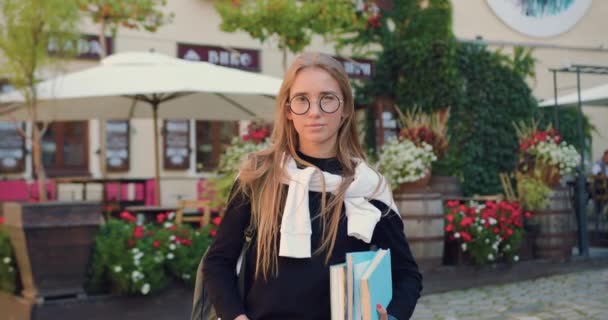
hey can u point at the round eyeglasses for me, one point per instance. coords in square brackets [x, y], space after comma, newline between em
[328, 102]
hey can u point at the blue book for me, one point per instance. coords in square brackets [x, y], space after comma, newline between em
[356, 264]
[376, 285]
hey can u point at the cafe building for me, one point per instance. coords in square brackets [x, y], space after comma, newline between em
[190, 149]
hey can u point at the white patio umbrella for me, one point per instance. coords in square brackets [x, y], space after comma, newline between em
[596, 96]
[150, 85]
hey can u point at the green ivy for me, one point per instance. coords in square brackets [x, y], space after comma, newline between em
[494, 96]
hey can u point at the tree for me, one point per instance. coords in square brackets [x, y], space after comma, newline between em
[291, 23]
[27, 29]
[130, 14]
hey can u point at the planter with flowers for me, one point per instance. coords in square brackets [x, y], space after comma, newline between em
[405, 165]
[139, 259]
[8, 269]
[486, 232]
[544, 161]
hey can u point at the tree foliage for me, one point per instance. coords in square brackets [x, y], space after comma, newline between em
[27, 29]
[291, 23]
[130, 14]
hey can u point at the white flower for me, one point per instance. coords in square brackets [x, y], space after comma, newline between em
[136, 275]
[172, 238]
[457, 235]
[136, 263]
[134, 250]
[170, 256]
[483, 221]
[507, 247]
[172, 247]
[117, 269]
[138, 255]
[158, 259]
[464, 247]
[7, 260]
[487, 240]
[479, 228]
[492, 221]
[11, 269]
[171, 215]
[145, 289]
[515, 258]
[491, 257]
[167, 225]
[185, 276]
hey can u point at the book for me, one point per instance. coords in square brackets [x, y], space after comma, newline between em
[376, 285]
[356, 263]
[360, 283]
[337, 287]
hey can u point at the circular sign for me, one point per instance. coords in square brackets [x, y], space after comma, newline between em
[540, 18]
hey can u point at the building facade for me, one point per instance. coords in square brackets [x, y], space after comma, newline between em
[191, 148]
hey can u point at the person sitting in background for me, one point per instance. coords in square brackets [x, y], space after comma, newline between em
[601, 166]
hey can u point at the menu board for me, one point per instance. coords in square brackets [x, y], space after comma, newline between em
[12, 148]
[176, 145]
[117, 145]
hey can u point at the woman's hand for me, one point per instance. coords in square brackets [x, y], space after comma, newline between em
[241, 317]
[382, 312]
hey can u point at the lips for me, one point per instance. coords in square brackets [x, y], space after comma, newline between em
[315, 125]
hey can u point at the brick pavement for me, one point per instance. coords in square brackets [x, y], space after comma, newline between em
[580, 295]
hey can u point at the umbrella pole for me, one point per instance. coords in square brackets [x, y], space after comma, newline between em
[156, 153]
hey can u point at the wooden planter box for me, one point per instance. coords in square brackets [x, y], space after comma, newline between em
[173, 303]
[53, 242]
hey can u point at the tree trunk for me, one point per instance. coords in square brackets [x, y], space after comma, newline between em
[36, 149]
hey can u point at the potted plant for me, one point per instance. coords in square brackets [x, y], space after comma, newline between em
[406, 166]
[544, 159]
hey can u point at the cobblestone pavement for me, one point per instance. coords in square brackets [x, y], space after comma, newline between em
[582, 295]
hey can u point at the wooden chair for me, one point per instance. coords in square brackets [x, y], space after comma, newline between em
[200, 214]
[507, 187]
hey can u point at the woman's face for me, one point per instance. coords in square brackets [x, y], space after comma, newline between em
[318, 127]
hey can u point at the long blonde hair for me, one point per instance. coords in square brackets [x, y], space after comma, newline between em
[260, 175]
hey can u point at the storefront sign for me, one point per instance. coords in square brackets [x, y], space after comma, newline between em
[357, 68]
[87, 47]
[244, 59]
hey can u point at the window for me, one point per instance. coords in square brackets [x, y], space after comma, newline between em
[12, 147]
[65, 149]
[117, 145]
[212, 137]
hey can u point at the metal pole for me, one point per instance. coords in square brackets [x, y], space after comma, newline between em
[555, 118]
[156, 152]
[581, 179]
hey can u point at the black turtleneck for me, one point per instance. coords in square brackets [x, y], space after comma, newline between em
[301, 289]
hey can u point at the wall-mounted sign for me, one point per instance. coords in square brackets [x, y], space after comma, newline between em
[244, 59]
[87, 47]
[357, 68]
[177, 144]
[540, 18]
[117, 145]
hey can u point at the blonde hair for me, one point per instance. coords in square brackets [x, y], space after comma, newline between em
[260, 175]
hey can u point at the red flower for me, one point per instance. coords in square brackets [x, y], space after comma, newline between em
[509, 232]
[160, 218]
[127, 216]
[212, 232]
[466, 221]
[496, 231]
[138, 232]
[466, 236]
[185, 242]
[528, 214]
[172, 227]
[156, 243]
[449, 228]
[1, 220]
[216, 221]
[449, 218]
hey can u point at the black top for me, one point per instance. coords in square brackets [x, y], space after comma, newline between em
[301, 289]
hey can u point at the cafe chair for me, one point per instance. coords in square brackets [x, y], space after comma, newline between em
[193, 211]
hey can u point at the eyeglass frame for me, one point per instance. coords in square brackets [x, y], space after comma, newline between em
[340, 102]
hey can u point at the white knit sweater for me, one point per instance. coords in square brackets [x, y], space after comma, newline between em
[362, 215]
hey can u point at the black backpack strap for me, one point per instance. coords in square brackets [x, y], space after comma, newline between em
[248, 235]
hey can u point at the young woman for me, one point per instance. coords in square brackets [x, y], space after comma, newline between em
[312, 198]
